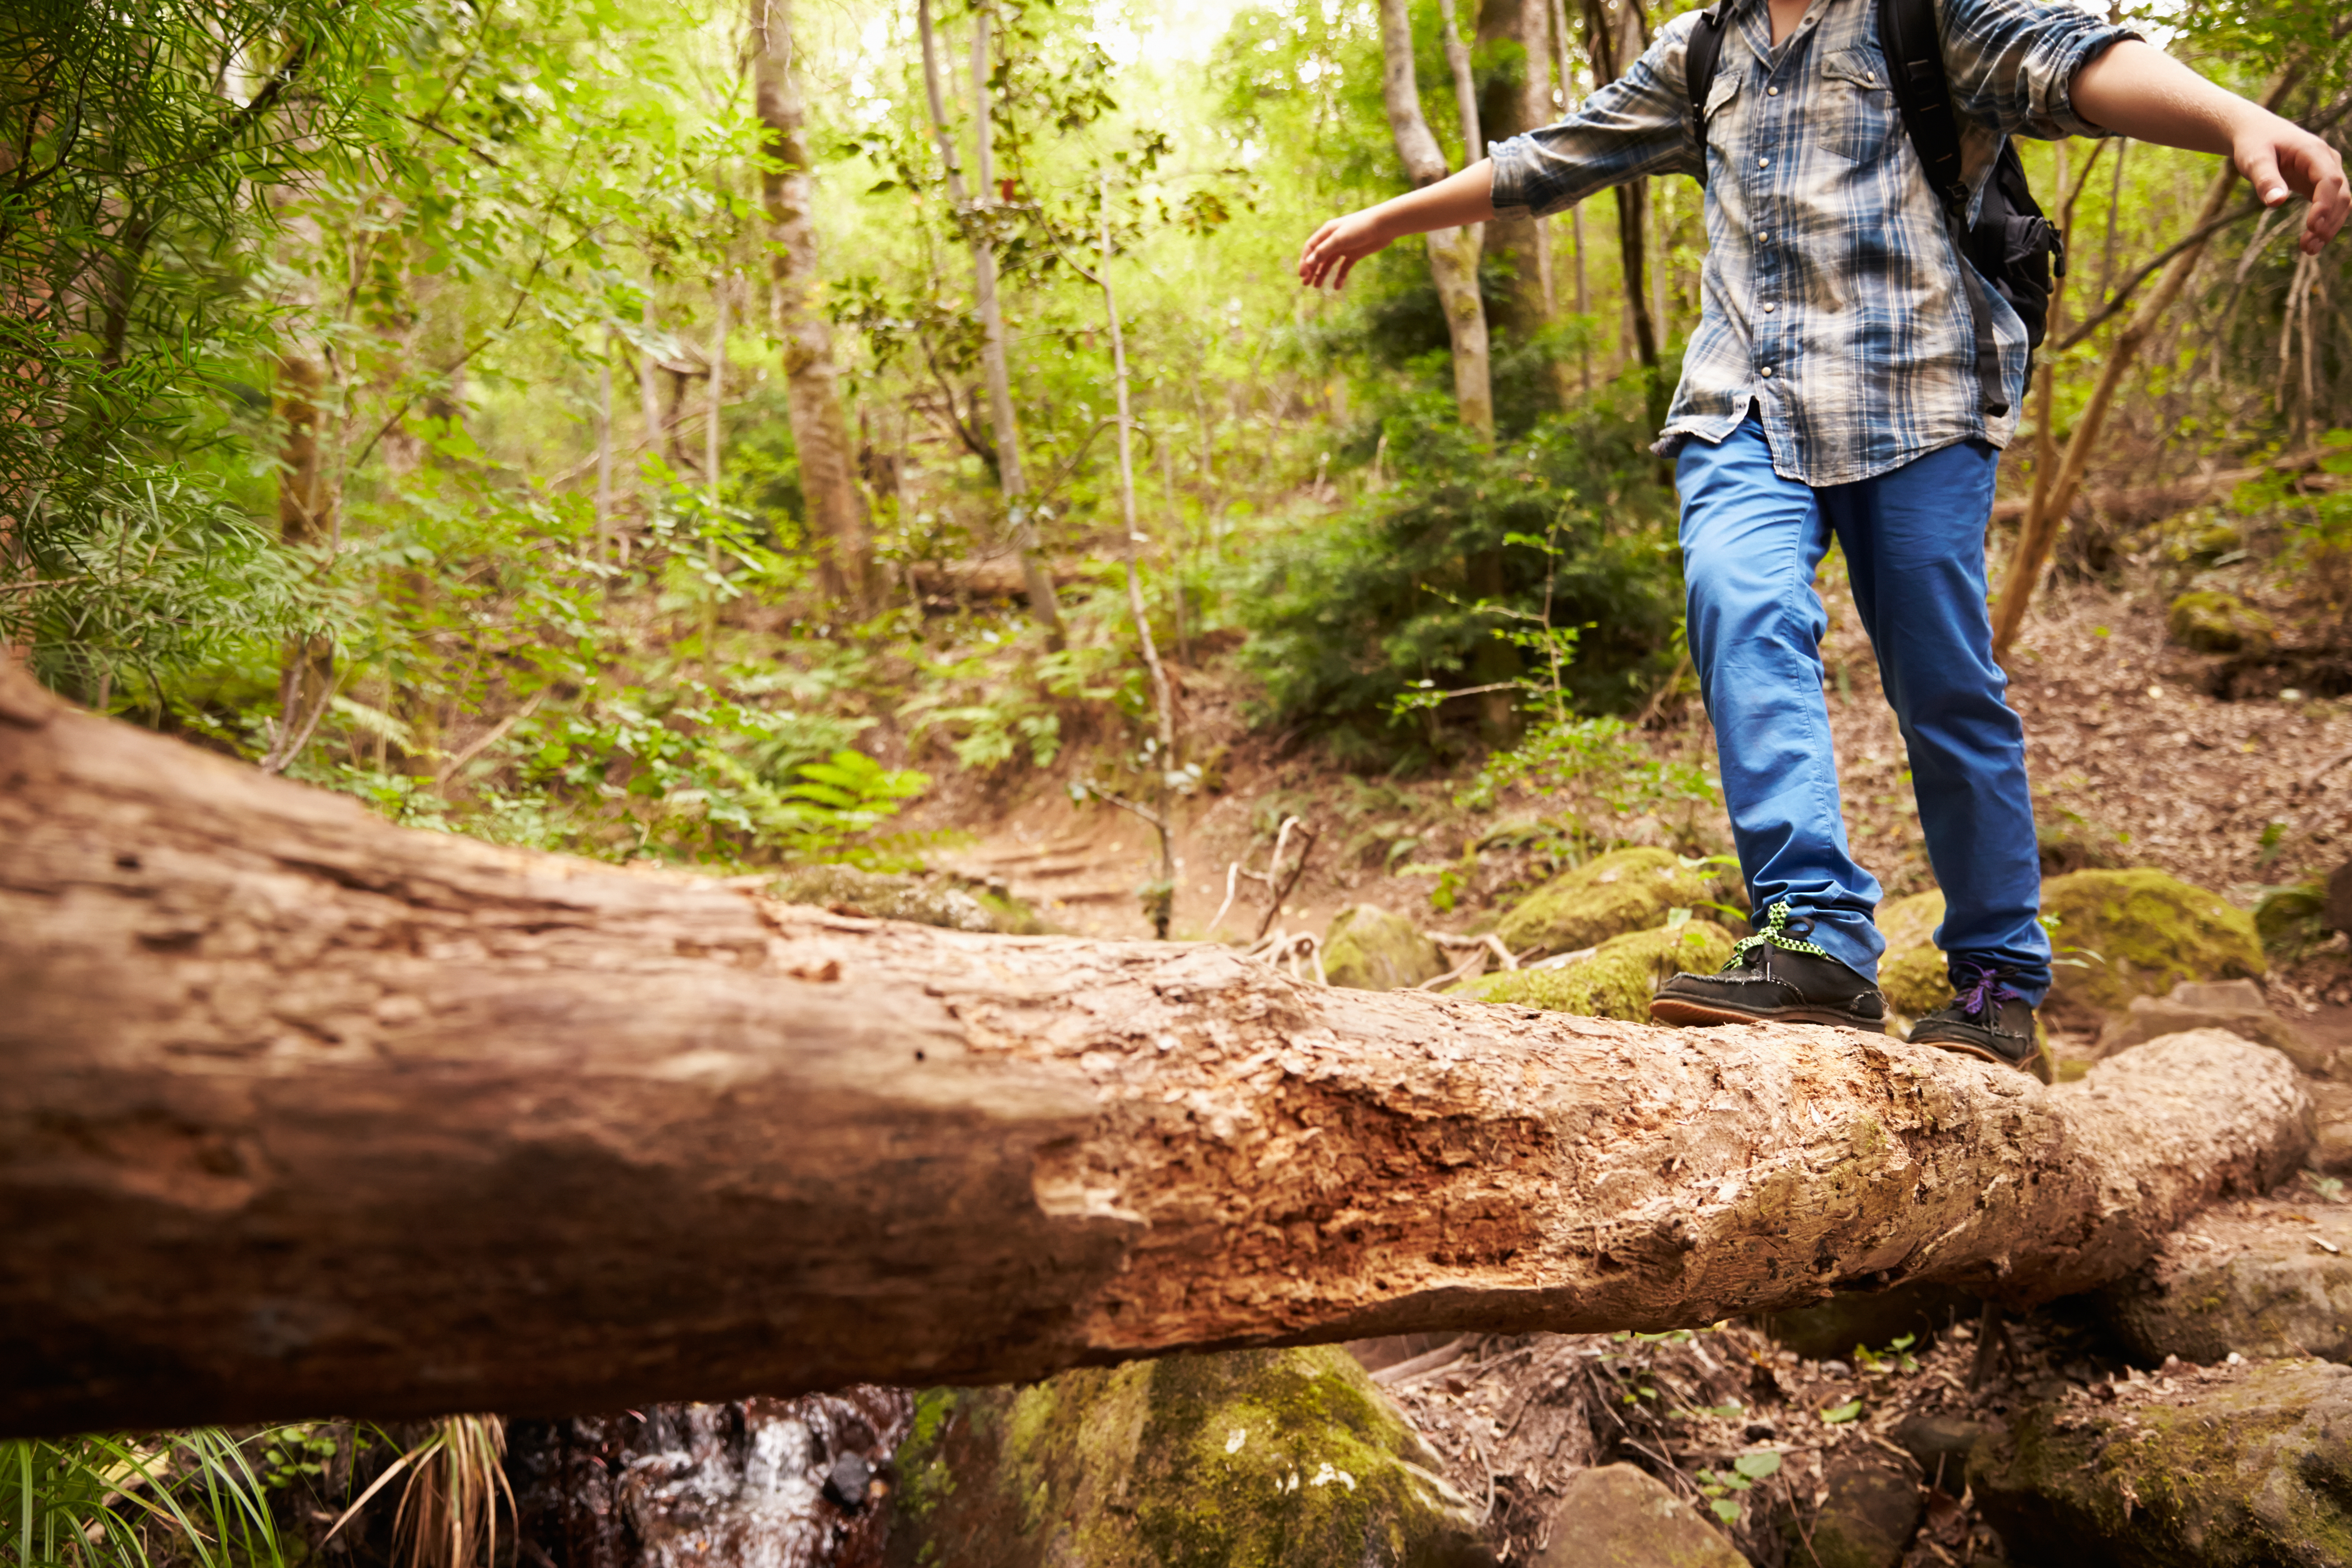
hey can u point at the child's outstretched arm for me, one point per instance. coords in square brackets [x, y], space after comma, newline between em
[2134, 89]
[1334, 249]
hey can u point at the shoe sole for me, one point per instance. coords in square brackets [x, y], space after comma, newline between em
[1689, 1014]
[2033, 1066]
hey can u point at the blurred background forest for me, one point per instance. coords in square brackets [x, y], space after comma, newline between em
[889, 434]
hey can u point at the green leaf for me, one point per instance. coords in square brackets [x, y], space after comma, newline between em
[1839, 1414]
[1763, 1463]
[1725, 1509]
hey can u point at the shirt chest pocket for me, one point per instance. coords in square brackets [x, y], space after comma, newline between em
[1718, 119]
[1854, 112]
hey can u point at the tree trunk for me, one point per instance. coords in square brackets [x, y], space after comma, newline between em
[1605, 49]
[306, 517]
[836, 507]
[1516, 36]
[1012, 482]
[302, 1113]
[1453, 252]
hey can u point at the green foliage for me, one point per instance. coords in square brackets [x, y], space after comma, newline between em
[1723, 1486]
[103, 1500]
[1434, 579]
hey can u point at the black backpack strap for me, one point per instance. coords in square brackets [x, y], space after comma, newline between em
[1915, 60]
[1698, 74]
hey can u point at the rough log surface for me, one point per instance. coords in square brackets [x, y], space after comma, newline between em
[301, 1113]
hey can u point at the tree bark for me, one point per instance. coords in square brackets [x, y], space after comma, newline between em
[1517, 34]
[836, 507]
[1453, 252]
[304, 1113]
[306, 517]
[1012, 481]
[1606, 50]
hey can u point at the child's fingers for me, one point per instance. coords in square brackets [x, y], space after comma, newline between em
[2262, 170]
[2331, 202]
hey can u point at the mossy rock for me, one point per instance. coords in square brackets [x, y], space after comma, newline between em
[1369, 948]
[1252, 1460]
[923, 900]
[1624, 890]
[2290, 920]
[2247, 1466]
[1616, 981]
[2140, 932]
[2212, 622]
[2267, 1279]
[1912, 972]
[1829, 1330]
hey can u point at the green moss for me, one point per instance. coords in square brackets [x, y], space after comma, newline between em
[1624, 890]
[1618, 981]
[2140, 932]
[1254, 1458]
[1369, 948]
[2211, 622]
[2252, 1468]
[1915, 981]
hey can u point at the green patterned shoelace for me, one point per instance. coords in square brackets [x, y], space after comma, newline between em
[1773, 935]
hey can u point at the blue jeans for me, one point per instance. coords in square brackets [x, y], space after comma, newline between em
[1913, 543]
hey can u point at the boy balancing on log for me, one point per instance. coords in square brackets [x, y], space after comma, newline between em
[1852, 374]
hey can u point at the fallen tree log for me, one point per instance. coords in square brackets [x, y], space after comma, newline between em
[301, 1113]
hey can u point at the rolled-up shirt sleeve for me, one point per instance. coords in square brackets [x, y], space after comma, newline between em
[2011, 63]
[1639, 124]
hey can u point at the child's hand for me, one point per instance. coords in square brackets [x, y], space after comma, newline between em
[1337, 245]
[2277, 156]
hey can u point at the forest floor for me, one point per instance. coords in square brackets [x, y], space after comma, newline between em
[2134, 760]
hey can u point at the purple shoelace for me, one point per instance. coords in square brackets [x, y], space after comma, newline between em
[1985, 993]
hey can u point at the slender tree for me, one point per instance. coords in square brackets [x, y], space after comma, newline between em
[1453, 252]
[974, 215]
[838, 522]
[1606, 48]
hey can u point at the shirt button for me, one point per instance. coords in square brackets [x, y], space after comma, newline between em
[1768, 370]
[1772, 92]
[1763, 162]
[1768, 310]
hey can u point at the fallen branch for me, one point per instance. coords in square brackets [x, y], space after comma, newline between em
[303, 1114]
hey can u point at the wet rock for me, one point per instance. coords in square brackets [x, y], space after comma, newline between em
[1624, 890]
[1255, 1457]
[924, 900]
[2264, 1279]
[753, 1483]
[2237, 1006]
[1876, 1319]
[846, 1482]
[1616, 980]
[1940, 1441]
[2210, 621]
[1620, 1516]
[1373, 949]
[1869, 1517]
[2140, 932]
[2242, 1467]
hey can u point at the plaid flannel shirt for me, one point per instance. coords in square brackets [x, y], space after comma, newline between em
[1831, 295]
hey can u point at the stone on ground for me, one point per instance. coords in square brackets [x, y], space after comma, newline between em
[1620, 1516]
[1624, 890]
[923, 900]
[1911, 973]
[1617, 979]
[2140, 932]
[2331, 1143]
[2264, 1279]
[1369, 948]
[1869, 1517]
[2232, 1467]
[2237, 1006]
[1254, 1459]
[2210, 621]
